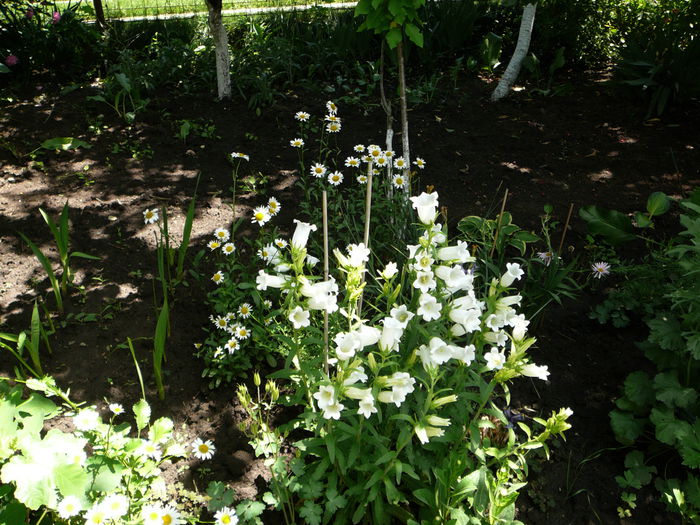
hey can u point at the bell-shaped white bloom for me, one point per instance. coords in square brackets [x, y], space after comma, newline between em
[299, 317]
[358, 393]
[265, 280]
[358, 254]
[301, 234]
[401, 382]
[347, 344]
[402, 314]
[468, 302]
[391, 335]
[368, 335]
[322, 295]
[357, 375]
[389, 271]
[519, 324]
[458, 253]
[283, 267]
[425, 281]
[495, 321]
[469, 319]
[465, 354]
[426, 205]
[513, 273]
[495, 359]
[333, 410]
[367, 407]
[499, 338]
[508, 301]
[311, 260]
[457, 330]
[455, 278]
[423, 262]
[440, 351]
[429, 308]
[391, 396]
[533, 370]
[325, 396]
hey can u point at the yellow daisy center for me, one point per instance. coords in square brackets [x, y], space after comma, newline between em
[203, 448]
[226, 519]
[167, 519]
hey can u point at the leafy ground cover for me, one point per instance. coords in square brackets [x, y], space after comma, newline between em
[584, 147]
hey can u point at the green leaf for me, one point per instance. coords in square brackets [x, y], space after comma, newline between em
[642, 220]
[71, 480]
[106, 473]
[249, 510]
[414, 34]
[142, 412]
[666, 332]
[160, 430]
[639, 390]
[84, 256]
[626, 427]
[220, 496]
[689, 446]
[670, 392]
[614, 226]
[311, 512]
[335, 501]
[64, 143]
[658, 203]
[13, 513]
[668, 428]
[394, 37]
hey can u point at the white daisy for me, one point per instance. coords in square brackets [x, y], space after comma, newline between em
[213, 245]
[222, 234]
[318, 170]
[150, 216]
[302, 116]
[228, 248]
[236, 155]
[226, 516]
[245, 310]
[261, 215]
[296, 143]
[273, 206]
[203, 449]
[420, 163]
[218, 277]
[335, 178]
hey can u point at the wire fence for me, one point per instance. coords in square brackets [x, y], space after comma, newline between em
[176, 8]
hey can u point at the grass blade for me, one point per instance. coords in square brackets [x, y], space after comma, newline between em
[48, 269]
[138, 368]
[159, 347]
[34, 339]
[85, 256]
[186, 231]
[19, 341]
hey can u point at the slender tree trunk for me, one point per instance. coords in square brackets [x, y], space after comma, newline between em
[99, 14]
[519, 54]
[404, 108]
[223, 59]
[386, 106]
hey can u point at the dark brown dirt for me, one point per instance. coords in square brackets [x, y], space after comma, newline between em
[586, 147]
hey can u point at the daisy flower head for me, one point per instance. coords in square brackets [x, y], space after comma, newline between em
[335, 178]
[352, 162]
[332, 118]
[203, 449]
[331, 107]
[150, 216]
[150, 449]
[261, 215]
[245, 310]
[600, 269]
[318, 170]
[267, 303]
[240, 332]
[213, 245]
[222, 234]
[115, 505]
[228, 248]
[419, 163]
[170, 516]
[151, 515]
[273, 206]
[296, 143]
[116, 409]
[237, 155]
[218, 277]
[362, 179]
[399, 181]
[220, 321]
[374, 151]
[389, 154]
[381, 161]
[545, 257]
[232, 345]
[302, 116]
[280, 243]
[400, 163]
[69, 507]
[226, 516]
[86, 419]
[96, 516]
[359, 148]
[333, 127]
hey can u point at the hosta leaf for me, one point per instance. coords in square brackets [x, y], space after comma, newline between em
[614, 226]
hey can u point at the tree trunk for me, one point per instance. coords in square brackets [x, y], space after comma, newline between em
[99, 14]
[404, 109]
[519, 54]
[223, 59]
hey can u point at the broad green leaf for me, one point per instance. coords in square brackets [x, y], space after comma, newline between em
[626, 427]
[393, 37]
[639, 390]
[160, 430]
[71, 480]
[335, 501]
[670, 392]
[311, 512]
[106, 473]
[34, 411]
[220, 496]
[614, 226]
[33, 484]
[64, 143]
[642, 220]
[668, 428]
[142, 412]
[689, 447]
[13, 513]
[658, 203]
[666, 332]
[414, 34]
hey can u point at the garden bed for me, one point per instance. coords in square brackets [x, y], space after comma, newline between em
[585, 147]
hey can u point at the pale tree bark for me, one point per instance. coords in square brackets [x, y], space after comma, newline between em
[521, 49]
[404, 108]
[223, 59]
